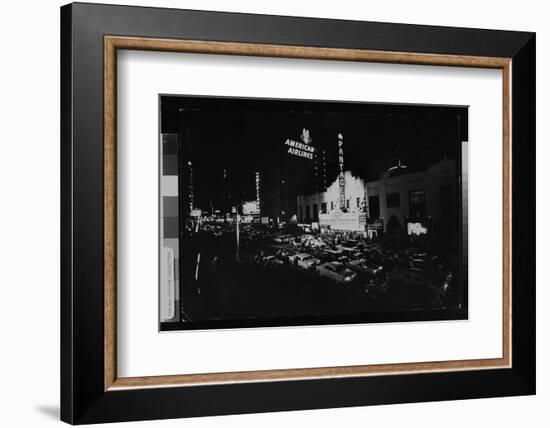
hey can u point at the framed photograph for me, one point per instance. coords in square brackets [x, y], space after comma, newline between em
[320, 213]
[321, 224]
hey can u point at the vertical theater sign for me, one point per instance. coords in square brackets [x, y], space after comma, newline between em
[342, 204]
[258, 205]
[341, 176]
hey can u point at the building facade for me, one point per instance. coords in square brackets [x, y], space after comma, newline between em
[324, 207]
[413, 202]
[409, 202]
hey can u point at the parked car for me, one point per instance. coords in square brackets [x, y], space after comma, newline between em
[334, 252]
[337, 272]
[347, 249]
[417, 263]
[272, 261]
[316, 243]
[285, 254]
[321, 255]
[363, 266]
[304, 260]
[416, 253]
[379, 258]
[282, 238]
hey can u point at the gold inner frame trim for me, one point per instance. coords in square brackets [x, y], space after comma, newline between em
[113, 43]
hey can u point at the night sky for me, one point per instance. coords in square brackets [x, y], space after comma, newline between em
[243, 136]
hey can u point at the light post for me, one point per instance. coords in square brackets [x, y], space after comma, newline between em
[237, 231]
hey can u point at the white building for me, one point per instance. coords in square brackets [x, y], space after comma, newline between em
[251, 208]
[419, 196]
[394, 200]
[325, 207]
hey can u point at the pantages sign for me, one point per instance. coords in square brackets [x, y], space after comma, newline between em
[341, 177]
[303, 148]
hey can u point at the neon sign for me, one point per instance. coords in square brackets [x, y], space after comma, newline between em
[416, 229]
[258, 191]
[303, 148]
[341, 178]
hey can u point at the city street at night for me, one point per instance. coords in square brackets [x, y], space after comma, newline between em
[276, 274]
[283, 212]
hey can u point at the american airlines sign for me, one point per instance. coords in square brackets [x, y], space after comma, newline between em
[302, 148]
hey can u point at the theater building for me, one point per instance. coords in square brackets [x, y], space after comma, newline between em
[421, 202]
[325, 207]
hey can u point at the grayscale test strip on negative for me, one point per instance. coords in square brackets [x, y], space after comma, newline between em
[169, 229]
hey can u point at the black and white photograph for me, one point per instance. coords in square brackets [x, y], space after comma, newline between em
[287, 212]
[244, 214]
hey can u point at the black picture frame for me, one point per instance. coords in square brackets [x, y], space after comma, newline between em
[84, 398]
